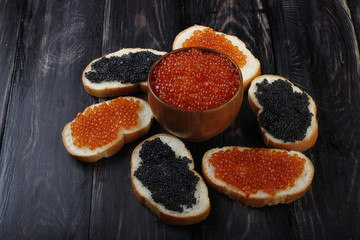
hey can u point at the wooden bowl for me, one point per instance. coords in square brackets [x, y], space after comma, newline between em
[195, 126]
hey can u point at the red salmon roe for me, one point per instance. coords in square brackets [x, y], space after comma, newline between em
[98, 126]
[195, 80]
[208, 38]
[252, 170]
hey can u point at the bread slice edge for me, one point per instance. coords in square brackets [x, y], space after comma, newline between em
[261, 198]
[192, 215]
[115, 88]
[85, 154]
[269, 139]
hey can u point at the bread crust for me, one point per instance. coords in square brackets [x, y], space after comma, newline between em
[115, 89]
[270, 140]
[125, 136]
[252, 68]
[259, 199]
[169, 217]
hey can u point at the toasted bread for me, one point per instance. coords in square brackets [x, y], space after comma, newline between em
[85, 154]
[117, 88]
[261, 197]
[249, 71]
[171, 208]
[276, 137]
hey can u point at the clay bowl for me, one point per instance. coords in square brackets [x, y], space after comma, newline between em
[198, 125]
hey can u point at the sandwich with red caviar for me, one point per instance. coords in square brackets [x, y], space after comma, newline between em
[258, 177]
[202, 36]
[103, 128]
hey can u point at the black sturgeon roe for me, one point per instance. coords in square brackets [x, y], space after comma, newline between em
[128, 68]
[167, 177]
[286, 114]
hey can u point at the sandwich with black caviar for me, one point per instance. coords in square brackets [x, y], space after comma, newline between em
[120, 73]
[286, 114]
[163, 178]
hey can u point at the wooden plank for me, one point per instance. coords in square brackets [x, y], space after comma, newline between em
[315, 46]
[229, 219]
[145, 24]
[115, 212]
[354, 8]
[45, 193]
[11, 14]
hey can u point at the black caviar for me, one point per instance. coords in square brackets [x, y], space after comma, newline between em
[128, 68]
[286, 113]
[168, 177]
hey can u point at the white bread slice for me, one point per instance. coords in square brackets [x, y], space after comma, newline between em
[115, 88]
[85, 154]
[189, 215]
[261, 198]
[269, 139]
[249, 71]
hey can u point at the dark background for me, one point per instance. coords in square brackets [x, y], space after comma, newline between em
[45, 46]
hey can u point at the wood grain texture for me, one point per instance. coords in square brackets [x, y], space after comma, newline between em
[46, 194]
[11, 23]
[229, 219]
[354, 9]
[145, 24]
[316, 48]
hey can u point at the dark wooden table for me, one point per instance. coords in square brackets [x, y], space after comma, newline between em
[45, 46]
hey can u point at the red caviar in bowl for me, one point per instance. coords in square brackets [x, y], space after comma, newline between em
[210, 39]
[98, 126]
[252, 170]
[195, 79]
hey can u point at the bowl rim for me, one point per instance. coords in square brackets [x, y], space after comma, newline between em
[240, 89]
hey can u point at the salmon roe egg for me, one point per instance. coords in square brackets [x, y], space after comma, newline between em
[251, 170]
[99, 125]
[195, 79]
[210, 39]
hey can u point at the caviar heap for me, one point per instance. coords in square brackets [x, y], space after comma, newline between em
[286, 113]
[128, 68]
[195, 80]
[167, 176]
[100, 125]
[210, 39]
[252, 170]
